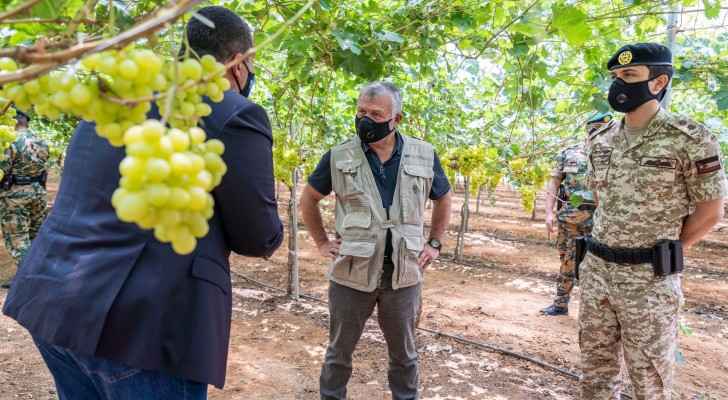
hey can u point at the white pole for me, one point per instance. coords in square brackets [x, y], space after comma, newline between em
[672, 26]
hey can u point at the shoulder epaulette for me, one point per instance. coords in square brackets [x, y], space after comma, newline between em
[694, 130]
[603, 129]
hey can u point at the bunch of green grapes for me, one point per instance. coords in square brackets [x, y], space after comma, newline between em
[471, 159]
[529, 177]
[7, 137]
[195, 79]
[115, 89]
[449, 162]
[517, 166]
[87, 91]
[7, 128]
[528, 198]
[166, 180]
[286, 158]
[168, 174]
[491, 183]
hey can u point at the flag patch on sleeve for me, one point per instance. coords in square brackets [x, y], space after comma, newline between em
[708, 165]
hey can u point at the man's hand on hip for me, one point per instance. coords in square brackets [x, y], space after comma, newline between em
[428, 255]
[549, 223]
[329, 248]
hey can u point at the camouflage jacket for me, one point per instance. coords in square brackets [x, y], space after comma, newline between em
[26, 157]
[571, 168]
[645, 184]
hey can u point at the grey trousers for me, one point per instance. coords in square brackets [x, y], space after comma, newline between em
[349, 310]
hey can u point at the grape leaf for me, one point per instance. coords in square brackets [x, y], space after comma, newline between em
[712, 8]
[389, 36]
[571, 24]
[325, 5]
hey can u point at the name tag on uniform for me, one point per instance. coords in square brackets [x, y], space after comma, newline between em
[659, 162]
[600, 158]
[659, 168]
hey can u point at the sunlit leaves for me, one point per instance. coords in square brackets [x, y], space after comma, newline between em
[571, 24]
[712, 8]
[389, 36]
[348, 41]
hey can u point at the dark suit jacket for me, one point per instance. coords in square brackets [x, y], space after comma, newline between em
[102, 287]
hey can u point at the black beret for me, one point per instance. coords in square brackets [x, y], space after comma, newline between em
[640, 54]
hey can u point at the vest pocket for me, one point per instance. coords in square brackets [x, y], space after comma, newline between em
[350, 172]
[415, 186]
[409, 272]
[352, 264]
[358, 218]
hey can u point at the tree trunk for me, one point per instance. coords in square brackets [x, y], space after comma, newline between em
[533, 213]
[293, 277]
[464, 214]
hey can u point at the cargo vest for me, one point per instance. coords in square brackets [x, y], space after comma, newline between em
[362, 222]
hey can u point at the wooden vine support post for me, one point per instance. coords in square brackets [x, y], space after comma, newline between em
[293, 275]
[477, 200]
[464, 216]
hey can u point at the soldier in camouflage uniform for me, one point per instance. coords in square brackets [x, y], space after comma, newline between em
[568, 178]
[22, 191]
[648, 172]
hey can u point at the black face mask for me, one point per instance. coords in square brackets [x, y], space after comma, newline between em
[370, 131]
[625, 97]
[245, 90]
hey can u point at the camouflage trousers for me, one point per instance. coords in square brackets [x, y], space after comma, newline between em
[627, 312]
[22, 214]
[571, 225]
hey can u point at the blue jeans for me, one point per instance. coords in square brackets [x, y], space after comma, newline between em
[90, 378]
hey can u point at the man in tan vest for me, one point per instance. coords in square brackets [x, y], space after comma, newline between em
[381, 179]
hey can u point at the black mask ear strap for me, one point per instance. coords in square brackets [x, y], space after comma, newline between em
[661, 94]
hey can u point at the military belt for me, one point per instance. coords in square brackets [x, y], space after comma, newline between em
[666, 256]
[619, 255]
[28, 180]
[587, 207]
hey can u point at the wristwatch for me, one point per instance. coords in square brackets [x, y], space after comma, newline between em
[435, 244]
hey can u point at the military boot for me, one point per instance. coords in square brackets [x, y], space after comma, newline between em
[554, 310]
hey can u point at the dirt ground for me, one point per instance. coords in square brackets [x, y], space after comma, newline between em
[494, 297]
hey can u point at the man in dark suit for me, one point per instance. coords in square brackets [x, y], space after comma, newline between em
[119, 315]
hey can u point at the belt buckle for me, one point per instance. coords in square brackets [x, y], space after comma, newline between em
[611, 255]
[634, 256]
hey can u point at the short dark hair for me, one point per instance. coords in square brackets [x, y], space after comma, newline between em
[21, 118]
[231, 34]
[657, 70]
